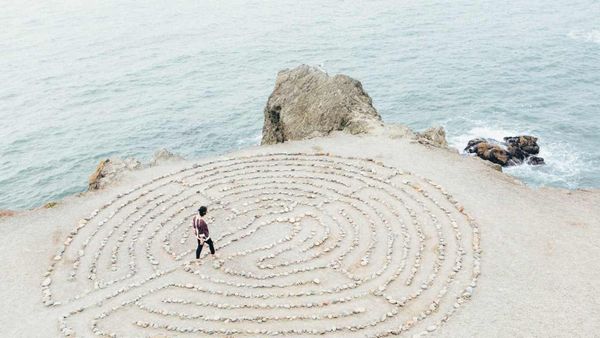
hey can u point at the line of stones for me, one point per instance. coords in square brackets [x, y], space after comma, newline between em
[235, 294]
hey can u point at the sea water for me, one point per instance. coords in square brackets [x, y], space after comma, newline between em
[84, 80]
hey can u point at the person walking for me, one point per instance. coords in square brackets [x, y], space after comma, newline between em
[201, 232]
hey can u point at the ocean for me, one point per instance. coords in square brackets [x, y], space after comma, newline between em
[85, 80]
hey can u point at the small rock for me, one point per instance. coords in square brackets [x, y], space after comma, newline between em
[163, 155]
[435, 136]
[535, 160]
[359, 310]
[50, 205]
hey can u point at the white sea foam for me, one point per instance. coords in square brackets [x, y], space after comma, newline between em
[249, 141]
[460, 141]
[564, 162]
[563, 167]
[592, 35]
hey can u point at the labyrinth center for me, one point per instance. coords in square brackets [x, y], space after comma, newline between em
[307, 244]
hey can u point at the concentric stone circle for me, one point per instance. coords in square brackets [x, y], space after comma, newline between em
[307, 244]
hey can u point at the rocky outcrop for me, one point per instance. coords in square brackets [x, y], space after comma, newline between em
[306, 102]
[488, 150]
[526, 144]
[95, 179]
[163, 156]
[513, 151]
[435, 136]
[109, 170]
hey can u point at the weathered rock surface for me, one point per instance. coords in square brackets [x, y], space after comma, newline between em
[489, 151]
[162, 156]
[435, 136]
[109, 170]
[535, 160]
[96, 178]
[527, 144]
[306, 102]
[513, 151]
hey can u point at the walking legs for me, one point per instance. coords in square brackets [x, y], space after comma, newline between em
[200, 245]
[211, 246]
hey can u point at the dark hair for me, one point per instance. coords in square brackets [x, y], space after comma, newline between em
[202, 210]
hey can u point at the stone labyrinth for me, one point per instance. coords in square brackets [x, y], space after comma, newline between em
[307, 244]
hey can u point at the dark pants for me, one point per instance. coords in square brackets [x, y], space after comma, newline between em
[210, 246]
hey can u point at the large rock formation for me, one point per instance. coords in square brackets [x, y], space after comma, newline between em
[306, 103]
[514, 150]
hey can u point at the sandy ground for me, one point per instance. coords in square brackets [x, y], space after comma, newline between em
[539, 250]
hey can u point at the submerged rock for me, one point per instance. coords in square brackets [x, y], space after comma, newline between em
[306, 102]
[513, 151]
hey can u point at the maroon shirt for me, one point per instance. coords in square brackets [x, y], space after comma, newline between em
[200, 226]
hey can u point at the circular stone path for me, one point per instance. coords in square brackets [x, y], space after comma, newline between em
[307, 244]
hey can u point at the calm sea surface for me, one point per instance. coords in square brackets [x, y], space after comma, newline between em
[83, 80]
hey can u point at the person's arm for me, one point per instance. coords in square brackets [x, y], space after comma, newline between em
[195, 228]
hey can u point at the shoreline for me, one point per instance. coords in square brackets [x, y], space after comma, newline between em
[55, 202]
[524, 231]
[334, 213]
